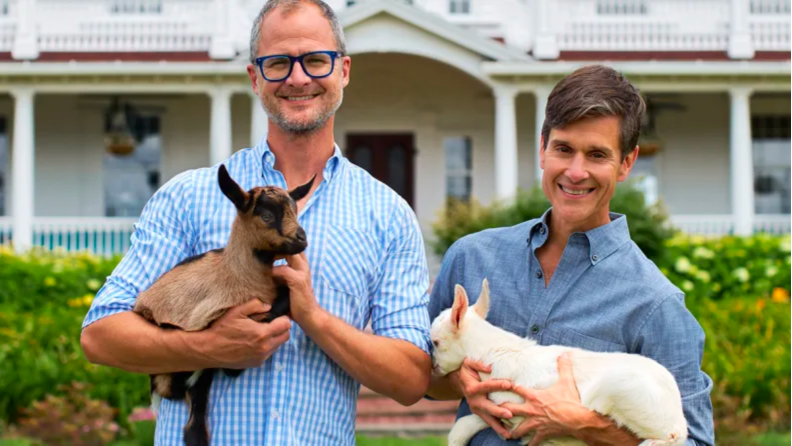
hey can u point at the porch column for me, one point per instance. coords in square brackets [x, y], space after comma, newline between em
[220, 130]
[23, 169]
[742, 190]
[25, 40]
[505, 142]
[740, 41]
[258, 120]
[541, 94]
[545, 45]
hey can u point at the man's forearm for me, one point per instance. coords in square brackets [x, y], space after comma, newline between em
[391, 367]
[128, 342]
[602, 431]
[443, 388]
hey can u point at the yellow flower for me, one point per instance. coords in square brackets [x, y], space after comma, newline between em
[742, 274]
[703, 253]
[93, 284]
[50, 281]
[771, 271]
[682, 264]
[780, 295]
[87, 300]
[703, 276]
[687, 285]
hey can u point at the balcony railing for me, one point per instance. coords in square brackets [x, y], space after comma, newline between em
[222, 27]
[714, 225]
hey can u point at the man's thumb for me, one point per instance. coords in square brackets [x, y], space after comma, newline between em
[253, 306]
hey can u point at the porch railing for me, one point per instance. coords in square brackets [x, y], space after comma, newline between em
[101, 236]
[724, 224]
[109, 236]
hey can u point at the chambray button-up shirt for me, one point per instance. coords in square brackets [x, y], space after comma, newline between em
[604, 295]
[367, 263]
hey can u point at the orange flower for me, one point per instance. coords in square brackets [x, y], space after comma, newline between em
[760, 304]
[780, 295]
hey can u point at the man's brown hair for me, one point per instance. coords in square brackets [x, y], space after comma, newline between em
[596, 91]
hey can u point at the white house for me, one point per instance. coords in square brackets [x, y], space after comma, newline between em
[445, 99]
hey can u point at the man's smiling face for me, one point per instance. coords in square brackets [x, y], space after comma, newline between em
[299, 104]
[582, 164]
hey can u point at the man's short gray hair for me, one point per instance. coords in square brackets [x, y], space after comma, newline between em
[287, 7]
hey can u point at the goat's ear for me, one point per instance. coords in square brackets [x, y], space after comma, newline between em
[231, 189]
[460, 306]
[483, 302]
[299, 192]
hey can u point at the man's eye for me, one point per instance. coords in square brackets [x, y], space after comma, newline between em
[267, 216]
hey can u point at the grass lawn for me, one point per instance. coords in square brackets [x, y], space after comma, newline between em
[769, 439]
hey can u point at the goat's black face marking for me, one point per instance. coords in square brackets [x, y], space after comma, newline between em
[270, 212]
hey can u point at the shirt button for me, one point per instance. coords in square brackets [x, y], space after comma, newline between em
[594, 258]
[535, 329]
[538, 274]
[275, 414]
[542, 230]
[278, 366]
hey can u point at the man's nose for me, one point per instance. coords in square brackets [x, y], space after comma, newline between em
[298, 78]
[576, 170]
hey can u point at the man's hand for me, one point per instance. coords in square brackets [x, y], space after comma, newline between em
[475, 391]
[235, 341]
[297, 276]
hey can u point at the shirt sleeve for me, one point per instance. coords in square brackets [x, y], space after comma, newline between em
[162, 238]
[400, 297]
[443, 288]
[672, 336]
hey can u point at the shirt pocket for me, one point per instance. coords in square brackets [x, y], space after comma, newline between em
[348, 266]
[571, 338]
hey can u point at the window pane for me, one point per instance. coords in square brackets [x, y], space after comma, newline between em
[772, 176]
[457, 153]
[459, 164]
[131, 179]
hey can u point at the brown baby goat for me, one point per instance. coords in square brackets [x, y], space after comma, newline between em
[200, 289]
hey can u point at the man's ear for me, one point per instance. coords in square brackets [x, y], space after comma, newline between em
[483, 302]
[460, 306]
[627, 164]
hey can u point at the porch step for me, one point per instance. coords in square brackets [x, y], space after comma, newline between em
[380, 414]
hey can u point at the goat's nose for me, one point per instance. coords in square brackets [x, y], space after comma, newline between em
[300, 235]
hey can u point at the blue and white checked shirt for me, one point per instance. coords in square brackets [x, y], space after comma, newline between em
[604, 296]
[367, 263]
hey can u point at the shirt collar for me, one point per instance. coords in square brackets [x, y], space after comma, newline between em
[602, 241]
[267, 158]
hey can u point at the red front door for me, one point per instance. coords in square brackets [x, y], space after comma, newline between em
[387, 157]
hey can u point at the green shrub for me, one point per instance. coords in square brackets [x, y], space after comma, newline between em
[40, 350]
[647, 223]
[747, 355]
[42, 277]
[728, 266]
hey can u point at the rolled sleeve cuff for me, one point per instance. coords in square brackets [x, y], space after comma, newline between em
[110, 300]
[410, 325]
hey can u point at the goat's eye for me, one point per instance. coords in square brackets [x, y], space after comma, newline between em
[267, 216]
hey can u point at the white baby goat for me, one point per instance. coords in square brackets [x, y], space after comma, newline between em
[634, 391]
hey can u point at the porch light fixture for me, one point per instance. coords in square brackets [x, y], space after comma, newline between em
[119, 122]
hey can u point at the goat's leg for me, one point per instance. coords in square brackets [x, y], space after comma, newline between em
[465, 429]
[281, 306]
[196, 432]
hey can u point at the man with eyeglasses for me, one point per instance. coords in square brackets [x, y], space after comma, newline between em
[366, 253]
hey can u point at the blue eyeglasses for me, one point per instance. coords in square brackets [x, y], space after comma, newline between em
[317, 64]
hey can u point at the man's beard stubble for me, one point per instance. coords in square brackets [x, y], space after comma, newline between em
[297, 128]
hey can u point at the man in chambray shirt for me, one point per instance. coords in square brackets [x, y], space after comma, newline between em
[367, 264]
[574, 277]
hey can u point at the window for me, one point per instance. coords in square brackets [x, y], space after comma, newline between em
[131, 179]
[459, 6]
[772, 151]
[622, 7]
[3, 165]
[136, 6]
[350, 3]
[459, 167]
